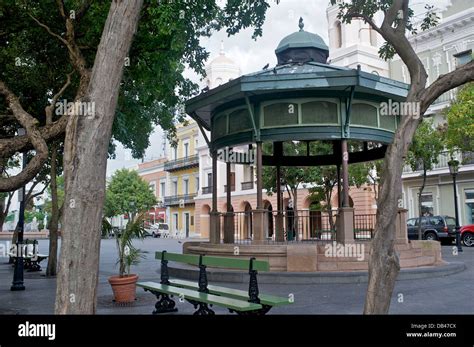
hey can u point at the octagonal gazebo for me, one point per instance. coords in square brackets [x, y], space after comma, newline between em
[302, 98]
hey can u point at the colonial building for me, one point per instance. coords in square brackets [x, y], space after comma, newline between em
[153, 172]
[439, 49]
[182, 180]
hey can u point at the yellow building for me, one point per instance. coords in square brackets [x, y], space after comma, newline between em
[182, 180]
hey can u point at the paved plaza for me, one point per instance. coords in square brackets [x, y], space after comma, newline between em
[438, 295]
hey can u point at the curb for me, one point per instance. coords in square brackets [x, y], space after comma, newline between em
[232, 276]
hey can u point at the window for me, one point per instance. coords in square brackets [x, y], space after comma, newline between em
[363, 114]
[470, 206]
[186, 149]
[162, 189]
[239, 120]
[280, 114]
[373, 37]
[411, 222]
[175, 187]
[338, 35]
[436, 221]
[427, 204]
[319, 112]
[219, 125]
[197, 184]
[209, 179]
[186, 186]
[175, 152]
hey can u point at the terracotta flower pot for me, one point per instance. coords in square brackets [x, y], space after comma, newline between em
[124, 288]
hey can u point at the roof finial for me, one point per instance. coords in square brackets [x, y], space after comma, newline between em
[222, 47]
[301, 24]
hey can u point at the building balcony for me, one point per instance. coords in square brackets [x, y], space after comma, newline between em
[175, 200]
[207, 190]
[466, 158]
[182, 163]
[247, 185]
[232, 188]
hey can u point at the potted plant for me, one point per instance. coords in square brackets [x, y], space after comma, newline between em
[124, 284]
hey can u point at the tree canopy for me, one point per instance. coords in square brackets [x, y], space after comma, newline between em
[43, 62]
[128, 193]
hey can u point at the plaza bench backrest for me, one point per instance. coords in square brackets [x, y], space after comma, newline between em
[211, 261]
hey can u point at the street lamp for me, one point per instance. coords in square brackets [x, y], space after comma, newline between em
[17, 283]
[453, 170]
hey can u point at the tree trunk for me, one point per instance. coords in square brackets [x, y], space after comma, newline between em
[384, 263]
[53, 224]
[420, 236]
[85, 159]
[3, 216]
[295, 209]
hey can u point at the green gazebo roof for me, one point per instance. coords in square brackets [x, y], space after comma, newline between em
[301, 39]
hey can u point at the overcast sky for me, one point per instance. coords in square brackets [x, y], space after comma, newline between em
[251, 55]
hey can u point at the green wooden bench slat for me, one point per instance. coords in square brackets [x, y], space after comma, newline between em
[232, 263]
[182, 258]
[235, 263]
[238, 305]
[265, 299]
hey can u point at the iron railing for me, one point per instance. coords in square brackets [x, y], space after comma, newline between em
[298, 226]
[364, 226]
[207, 190]
[247, 185]
[232, 188]
[179, 199]
[182, 163]
[465, 158]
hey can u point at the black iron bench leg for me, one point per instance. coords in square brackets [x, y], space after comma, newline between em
[203, 310]
[164, 304]
[34, 266]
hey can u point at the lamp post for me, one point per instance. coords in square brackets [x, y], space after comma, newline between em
[453, 170]
[17, 283]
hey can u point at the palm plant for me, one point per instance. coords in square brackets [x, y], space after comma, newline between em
[128, 254]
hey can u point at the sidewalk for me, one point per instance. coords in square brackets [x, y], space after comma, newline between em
[442, 295]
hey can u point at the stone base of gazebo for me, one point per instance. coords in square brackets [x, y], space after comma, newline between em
[324, 256]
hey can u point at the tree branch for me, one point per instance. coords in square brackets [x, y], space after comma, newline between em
[50, 107]
[31, 196]
[392, 14]
[62, 9]
[30, 124]
[10, 146]
[83, 9]
[444, 83]
[48, 29]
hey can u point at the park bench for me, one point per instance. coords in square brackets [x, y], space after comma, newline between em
[202, 295]
[31, 257]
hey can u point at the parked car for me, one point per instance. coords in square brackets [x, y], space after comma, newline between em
[158, 230]
[440, 228]
[467, 235]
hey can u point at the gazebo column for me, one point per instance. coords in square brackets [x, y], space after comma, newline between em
[345, 223]
[215, 225]
[259, 212]
[279, 234]
[229, 215]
